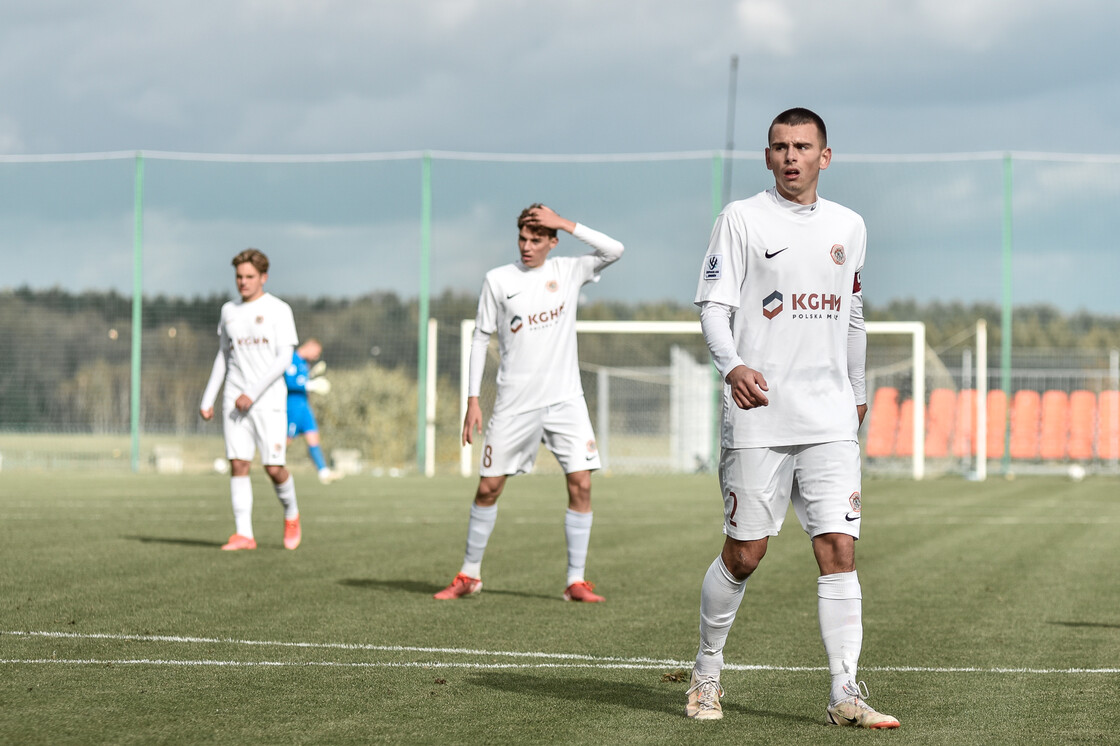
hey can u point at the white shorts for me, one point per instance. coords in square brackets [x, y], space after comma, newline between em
[512, 440]
[264, 430]
[822, 480]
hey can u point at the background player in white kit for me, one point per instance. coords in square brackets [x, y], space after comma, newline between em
[256, 338]
[531, 304]
[782, 313]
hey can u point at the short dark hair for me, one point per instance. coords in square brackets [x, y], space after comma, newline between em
[539, 230]
[794, 117]
[255, 257]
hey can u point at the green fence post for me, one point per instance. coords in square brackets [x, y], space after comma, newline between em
[1005, 322]
[422, 336]
[137, 306]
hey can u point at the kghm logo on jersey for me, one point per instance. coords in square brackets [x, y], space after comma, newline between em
[515, 324]
[552, 286]
[772, 305]
[803, 305]
[545, 317]
[838, 254]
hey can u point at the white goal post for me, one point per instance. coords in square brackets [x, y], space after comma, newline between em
[915, 330]
[467, 465]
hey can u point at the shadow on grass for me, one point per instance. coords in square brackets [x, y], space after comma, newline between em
[1100, 625]
[427, 589]
[668, 699]
[173, 540]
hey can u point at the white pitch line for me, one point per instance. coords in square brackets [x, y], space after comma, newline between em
[326, 664]
[524, 666]
[589, 661]
[342, 646]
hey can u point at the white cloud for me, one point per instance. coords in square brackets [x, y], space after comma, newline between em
[767, 26]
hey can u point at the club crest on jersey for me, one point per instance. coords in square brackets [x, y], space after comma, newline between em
[515, 324]
[713, 267]
[838, 254]
[260, 319]
[552, 286]
[854, 501]
[591, 447]
[772, 305]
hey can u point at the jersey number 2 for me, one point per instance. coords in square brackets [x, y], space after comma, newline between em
[734, 508]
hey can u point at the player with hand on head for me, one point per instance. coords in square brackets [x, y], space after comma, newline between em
[531, 305]
[257, 335]
[301, 379]
[782, 313]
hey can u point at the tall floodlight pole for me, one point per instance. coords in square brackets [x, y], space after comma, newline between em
[731, 89]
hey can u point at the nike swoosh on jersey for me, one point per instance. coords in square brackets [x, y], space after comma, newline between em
[511, 295]
[769, 255]
[850, 517]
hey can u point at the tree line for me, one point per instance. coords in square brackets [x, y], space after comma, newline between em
[66, 362]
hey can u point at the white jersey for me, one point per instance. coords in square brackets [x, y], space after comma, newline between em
[252, 335]
[789, 272]
[533, 310]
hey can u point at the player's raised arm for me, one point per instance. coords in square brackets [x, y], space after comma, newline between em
[607, 250]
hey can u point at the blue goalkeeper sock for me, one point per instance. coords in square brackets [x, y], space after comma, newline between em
[316, 453]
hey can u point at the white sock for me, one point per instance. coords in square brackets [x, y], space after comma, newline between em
[286, 494]
[478, 534]
[840, 609]
[577, 529]
[241, 493]
[720, 596]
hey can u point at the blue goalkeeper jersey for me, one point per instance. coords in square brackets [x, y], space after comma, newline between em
[297, 375]
[300, 417]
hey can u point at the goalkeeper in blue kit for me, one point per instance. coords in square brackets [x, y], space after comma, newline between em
[304, 375]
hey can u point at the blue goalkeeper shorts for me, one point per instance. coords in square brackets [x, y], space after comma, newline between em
[300, 418]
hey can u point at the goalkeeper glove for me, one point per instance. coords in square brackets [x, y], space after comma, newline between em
[319, 386]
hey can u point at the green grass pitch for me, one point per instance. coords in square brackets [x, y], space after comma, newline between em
[991, 614]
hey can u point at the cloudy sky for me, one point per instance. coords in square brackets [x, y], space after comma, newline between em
[563, 77]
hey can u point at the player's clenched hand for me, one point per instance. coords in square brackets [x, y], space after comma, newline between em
[472, 423]
[207, 414]
[243, 403]
[747, 387]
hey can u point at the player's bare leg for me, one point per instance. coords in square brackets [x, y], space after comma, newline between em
[484, 514]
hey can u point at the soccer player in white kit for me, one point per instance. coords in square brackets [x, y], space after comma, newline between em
[782, 313]
[256, 338]
[531, 304]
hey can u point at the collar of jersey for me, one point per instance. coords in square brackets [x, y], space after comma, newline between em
[794, 207]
